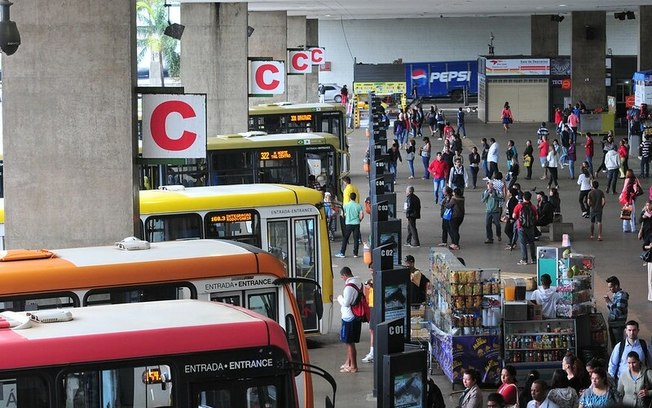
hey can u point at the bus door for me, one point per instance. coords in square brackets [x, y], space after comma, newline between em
[332, 122]
[294, 242]
[320, 162]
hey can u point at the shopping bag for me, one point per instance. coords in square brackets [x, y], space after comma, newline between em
[626, 212]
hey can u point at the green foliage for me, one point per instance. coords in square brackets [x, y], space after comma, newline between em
[152, 19]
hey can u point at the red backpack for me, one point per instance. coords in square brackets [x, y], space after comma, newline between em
[360, 306]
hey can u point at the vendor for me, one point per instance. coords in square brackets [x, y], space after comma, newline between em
[546, 297]
[420, 284]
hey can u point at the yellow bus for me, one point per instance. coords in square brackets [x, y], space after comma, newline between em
[285, 220]
[254, 157]
[179, 353]
[209, 270]
[289, 117]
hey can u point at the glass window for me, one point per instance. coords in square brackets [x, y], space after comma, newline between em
[173, 227]
[264, 392]
[146, 386]
[277, 240]
[264, 303]
[231, 299]
[231, 167]
[235, 225]
[140, 294]
[28, 391]
[279, 170]
[39, 302]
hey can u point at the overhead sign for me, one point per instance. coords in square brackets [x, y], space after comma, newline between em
[518, 66]
[380, 88]
[174, 126]
[267, 78]
[317, 55]
[299, 62]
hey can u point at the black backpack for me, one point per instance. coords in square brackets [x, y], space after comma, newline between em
[526, 216]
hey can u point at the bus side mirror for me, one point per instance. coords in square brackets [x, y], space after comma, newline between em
[329, 403]
[319, 303]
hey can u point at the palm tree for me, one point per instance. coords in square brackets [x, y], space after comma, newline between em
[152, 19]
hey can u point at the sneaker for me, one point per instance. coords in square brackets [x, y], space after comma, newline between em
[369, 358]
[485, 178]
[531, 263]
[415, 246]
[488, 241]
[442, 244]
[339, 255]
[522, 262]
[500, 238]
[355, 256]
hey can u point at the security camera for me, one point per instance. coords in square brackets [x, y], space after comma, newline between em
[9, 35]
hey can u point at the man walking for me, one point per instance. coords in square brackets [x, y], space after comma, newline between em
[644, 151]
[492, 199]
[596, 202]
[525, 214]
[631, 342]
[617, 306]
[353, 214]
[460, 122]
[493, 158]
[412, 213]
[350, 331]
[612, 163]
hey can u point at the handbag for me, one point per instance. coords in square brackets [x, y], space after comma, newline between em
[646, 256]
[448, 214]
[626, 212]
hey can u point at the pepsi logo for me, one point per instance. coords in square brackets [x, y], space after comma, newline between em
[419, 77]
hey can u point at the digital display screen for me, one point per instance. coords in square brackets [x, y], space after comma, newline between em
[301, 117]
[233, 217]
[275, 155]
[152, 376]
[408, 390]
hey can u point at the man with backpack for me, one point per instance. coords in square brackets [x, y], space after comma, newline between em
[350, 331]
[618, 360]
[525, 214]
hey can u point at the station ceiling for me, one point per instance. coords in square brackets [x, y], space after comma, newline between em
[391, 9]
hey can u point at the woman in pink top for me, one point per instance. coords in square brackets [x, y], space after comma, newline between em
[543, 156]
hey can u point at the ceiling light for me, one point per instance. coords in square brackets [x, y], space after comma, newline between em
[173, 30]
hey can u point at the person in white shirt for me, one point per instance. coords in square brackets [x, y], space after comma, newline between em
[584, 181]
[547, 297]
[493, 157]
[350, 332]
[540, 399]
[612, 163]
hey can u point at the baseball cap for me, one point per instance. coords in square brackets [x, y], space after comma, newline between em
[409, 258]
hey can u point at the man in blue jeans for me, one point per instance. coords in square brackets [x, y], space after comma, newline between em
[353, 214]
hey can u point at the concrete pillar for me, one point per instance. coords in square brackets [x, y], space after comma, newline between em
[269, 40]
[69, 124]
[297, 36]
[544, 36]
[214, 62]
[588, 42]
[312, 80]
[644, 34]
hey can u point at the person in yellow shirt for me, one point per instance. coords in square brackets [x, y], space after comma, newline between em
[349, 188]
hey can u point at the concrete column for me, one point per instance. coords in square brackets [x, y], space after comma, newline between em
[297, 36]
[588, 42]
[269, 40]
[214, 61]
[69, 124]
[644, 34]
[544, 36]
[312, 80]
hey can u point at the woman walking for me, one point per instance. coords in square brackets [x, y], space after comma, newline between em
[571, 156]
[634, 386]
[483, 157]
[506, 116]
[631, 189]
[528, 158]
[410, 153]
[474, 165]
[445, 224]
[424, 152]
[584, 181]
[553, 163]
[598, 395]
[457, 205]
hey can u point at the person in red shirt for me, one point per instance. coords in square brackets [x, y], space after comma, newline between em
[543, 155]
[508, 387]
[623, 153]
[559, 119]
[439, 169]
[526, 232]
[588, 150]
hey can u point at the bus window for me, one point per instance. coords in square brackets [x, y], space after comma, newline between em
[173, 227]
[146, 386]
[237, 225]
[272, 170]
[263, 303]
[231, 167]
[277, 240]
[140, 294]
[261, 392]
[39, 302]
[231, 299]
[24, 391]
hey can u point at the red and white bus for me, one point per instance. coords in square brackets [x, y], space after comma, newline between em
[178, 353]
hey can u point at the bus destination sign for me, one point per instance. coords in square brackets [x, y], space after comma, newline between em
[236, 216]
[275, 155]
[303, 117]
